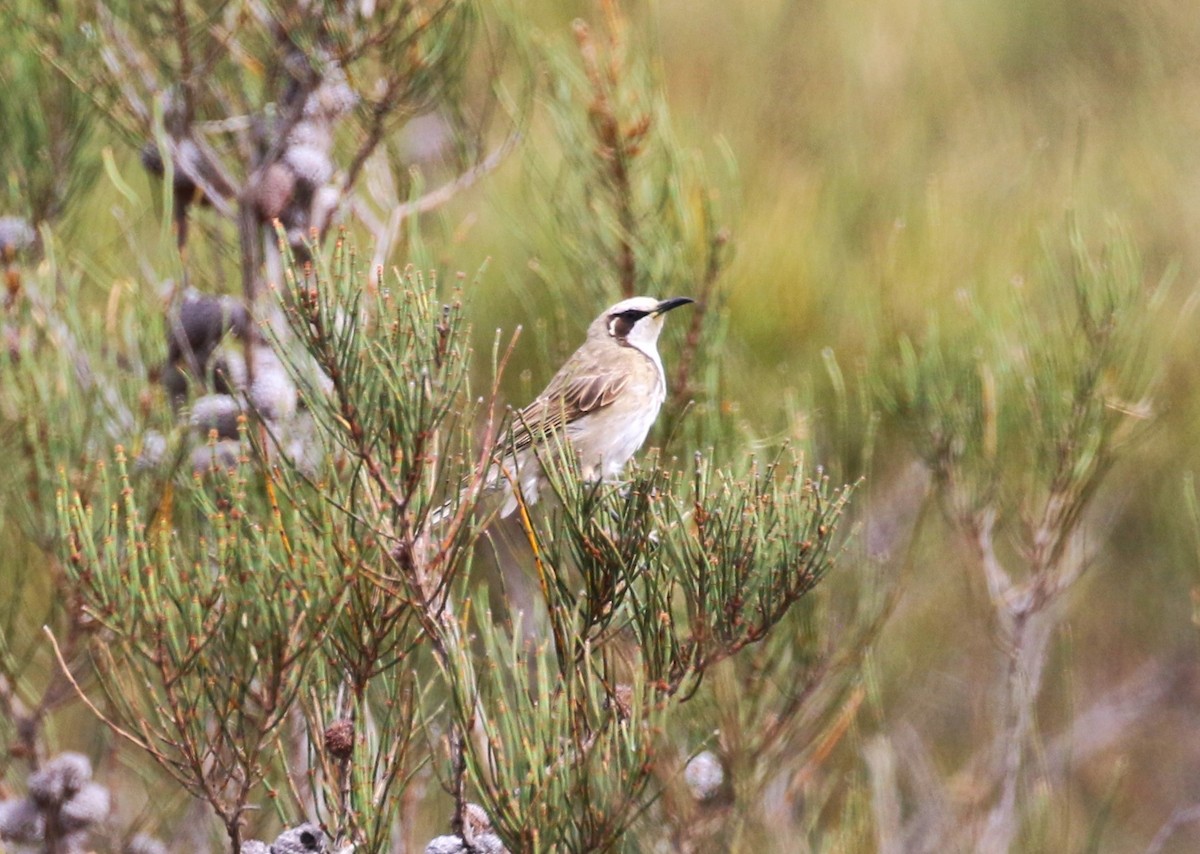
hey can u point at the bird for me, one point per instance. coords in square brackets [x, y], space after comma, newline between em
[602, 401]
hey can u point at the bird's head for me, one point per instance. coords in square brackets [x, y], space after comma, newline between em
[636, 321]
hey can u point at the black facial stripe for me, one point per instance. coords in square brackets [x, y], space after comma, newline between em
[621, 323]
[619, 326]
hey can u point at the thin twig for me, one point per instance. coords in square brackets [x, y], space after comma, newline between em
[385, 234]
[1023, 681]
[885, 795]
[999, 583]
[681, 388]
[133, 739]
[1180, 817]
[458, 762]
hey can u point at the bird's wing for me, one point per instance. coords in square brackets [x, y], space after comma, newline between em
[574, 392]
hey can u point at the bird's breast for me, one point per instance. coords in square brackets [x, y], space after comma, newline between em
[608, 437]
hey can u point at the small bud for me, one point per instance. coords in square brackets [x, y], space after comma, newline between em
[622, 700]
[273, 191]
[339, 739]
[310, 164]
[89, 806]
[16, 235]
[272, 392]
[488, 843]
[216, 412]
[21, 821]
[704, 775]
[475, 822]
[143, 844]
[59, 779]
[200, 324]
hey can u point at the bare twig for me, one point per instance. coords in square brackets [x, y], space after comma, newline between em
[458, 763]
[1180, 817]
[125, 734]
[999, 583]
[1110, 718]
[885, 795]
[121, 422]
[615, 146]
[385, 233]
[933, 821]
[1030, 638]
[681, 389]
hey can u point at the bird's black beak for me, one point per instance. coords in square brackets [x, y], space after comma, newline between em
[668, 304]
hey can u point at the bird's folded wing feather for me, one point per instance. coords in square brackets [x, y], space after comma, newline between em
[570, 395]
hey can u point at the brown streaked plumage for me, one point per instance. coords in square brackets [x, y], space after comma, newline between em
[604, 399]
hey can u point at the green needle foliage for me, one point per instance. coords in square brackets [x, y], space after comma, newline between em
[210, 610]
[1025, 413]
[264, 590]
[646, 587]
[254, 436]
[48, 162]
[559, 754]
[299, 614]
[1019, 424]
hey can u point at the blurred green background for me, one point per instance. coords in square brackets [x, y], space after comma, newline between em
[895, 161]
[881, 163]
